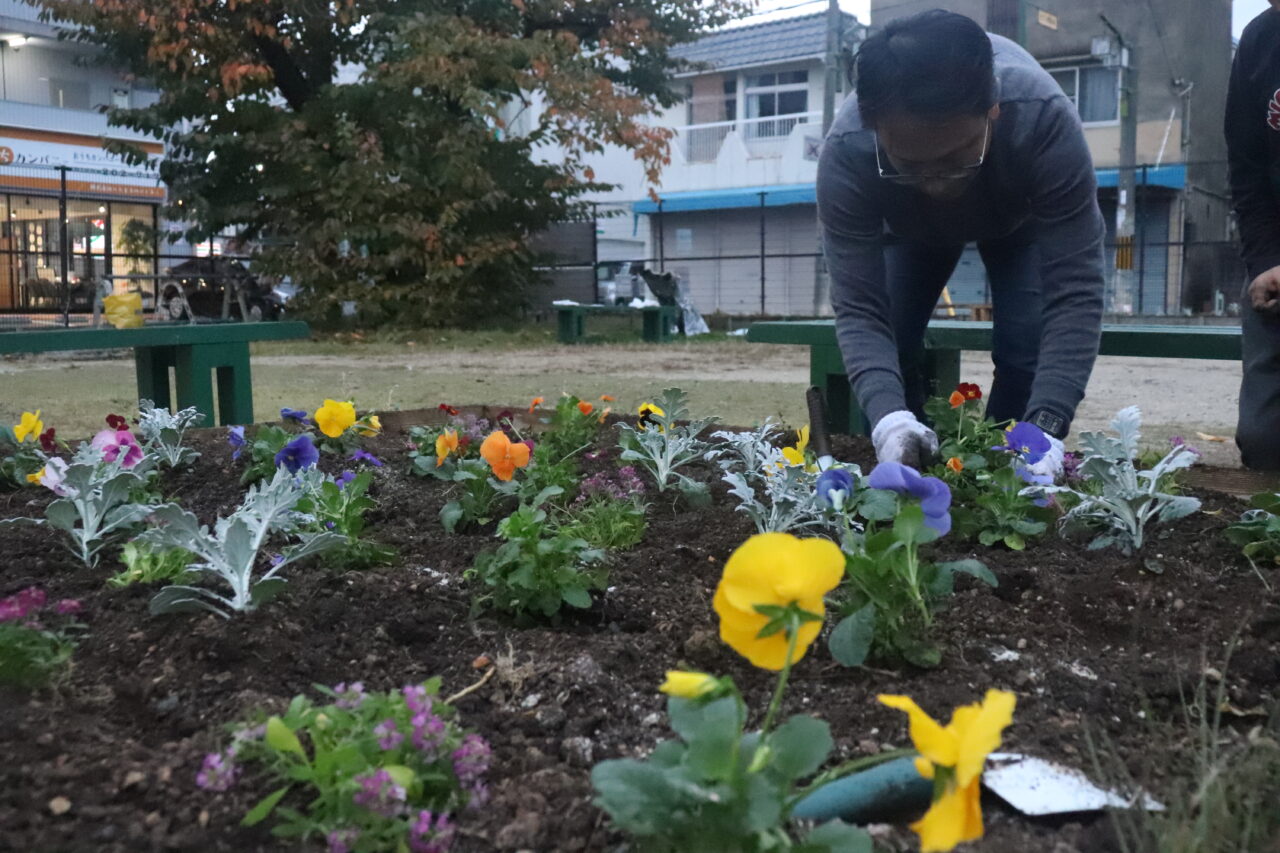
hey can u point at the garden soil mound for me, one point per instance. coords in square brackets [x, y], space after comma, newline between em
[1097, 646]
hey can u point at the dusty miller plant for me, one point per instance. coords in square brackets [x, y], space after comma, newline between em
[787, 499]
[663, 445]
[1123, 500]
[745, 451]
[230, 551]
[98, 501]
[162, 432]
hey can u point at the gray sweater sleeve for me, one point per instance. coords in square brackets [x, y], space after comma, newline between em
[1070, 233]
[852, 238]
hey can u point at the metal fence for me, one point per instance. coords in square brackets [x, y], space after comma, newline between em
[766, 260]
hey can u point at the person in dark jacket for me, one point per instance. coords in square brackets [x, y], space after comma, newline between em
[957, 136]
[1253, 152]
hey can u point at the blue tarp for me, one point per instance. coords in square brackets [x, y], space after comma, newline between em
[1172, 176]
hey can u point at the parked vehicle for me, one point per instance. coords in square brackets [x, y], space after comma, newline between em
[217, 288]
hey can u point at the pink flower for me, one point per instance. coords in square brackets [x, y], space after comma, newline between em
[67, 607]
[118, 445]
[55, 473]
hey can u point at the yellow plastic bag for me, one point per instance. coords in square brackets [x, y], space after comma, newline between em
[123, 310]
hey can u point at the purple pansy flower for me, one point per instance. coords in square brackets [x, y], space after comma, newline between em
[235, 437]
[118, 446]
[298, 454]
[1033, 479]
[362, 455]
[1026, 441]
[296, 415]
[933, 494]
[344, 479]
[834, 487]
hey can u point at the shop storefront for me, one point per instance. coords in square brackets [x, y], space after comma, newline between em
[70, 215]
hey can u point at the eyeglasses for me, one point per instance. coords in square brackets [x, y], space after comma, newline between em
[952, 175]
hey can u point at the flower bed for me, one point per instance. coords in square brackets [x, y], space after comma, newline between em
[107, 758]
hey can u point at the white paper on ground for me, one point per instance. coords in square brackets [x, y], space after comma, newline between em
[1034, 786]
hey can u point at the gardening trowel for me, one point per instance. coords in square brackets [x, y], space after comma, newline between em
[818, 437]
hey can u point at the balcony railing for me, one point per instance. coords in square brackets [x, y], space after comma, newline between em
[700, 143]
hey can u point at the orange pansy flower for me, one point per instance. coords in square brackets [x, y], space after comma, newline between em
[608, 398]
[504, 456]
[585, 407]
[956, 399]
[537, 401]
[955, 464]
[446, 443]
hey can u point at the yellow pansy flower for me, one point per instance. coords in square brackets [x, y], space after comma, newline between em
[446, 443]
[29, 426]
[371, 426]
[954, 757]
[688, 685]
[646, 412]
[775, 569]
[334, 417]
[795, 455]
[35, 478]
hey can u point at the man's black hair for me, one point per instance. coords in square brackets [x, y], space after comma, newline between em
[934, 64]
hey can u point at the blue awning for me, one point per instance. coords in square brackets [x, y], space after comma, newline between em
[1173, 176]
[775, 196]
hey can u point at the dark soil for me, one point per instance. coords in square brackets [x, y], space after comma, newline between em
[1088, 640]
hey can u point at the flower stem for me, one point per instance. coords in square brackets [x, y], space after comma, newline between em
[793, 633]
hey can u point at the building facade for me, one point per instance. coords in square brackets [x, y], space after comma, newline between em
[70, 211]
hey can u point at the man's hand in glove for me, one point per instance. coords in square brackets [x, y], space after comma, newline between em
[899, 437]
[1050, 465]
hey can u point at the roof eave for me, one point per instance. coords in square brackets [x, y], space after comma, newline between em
[719, 70]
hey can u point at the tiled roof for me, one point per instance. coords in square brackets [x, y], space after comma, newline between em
[764, 43]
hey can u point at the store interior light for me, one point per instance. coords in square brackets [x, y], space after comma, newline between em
[17, 41]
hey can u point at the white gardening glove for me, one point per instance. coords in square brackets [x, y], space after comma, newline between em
[899, 437]
[1050, 465]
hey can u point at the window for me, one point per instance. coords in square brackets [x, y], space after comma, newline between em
[69, 94]
[120, 99]
[783, 93]
[1094, 89]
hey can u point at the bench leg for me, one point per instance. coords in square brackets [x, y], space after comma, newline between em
[570, 325]
[826, 370]
[151, 364]
[657, 323]
[192, 380]
[235, 385]
[941, 371]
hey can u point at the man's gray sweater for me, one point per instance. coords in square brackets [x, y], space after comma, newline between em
[1037, 169]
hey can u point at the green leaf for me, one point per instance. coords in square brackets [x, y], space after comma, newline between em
[850, 641]
[836, 836]
[401, 775]
[973, 568]
[764, 804]
[576, 596]
[878, 505]
[1014, 541]
[800, 746]
[282, 739]
[909, 526]
[264, 807]
[450, 515]
[919, 651]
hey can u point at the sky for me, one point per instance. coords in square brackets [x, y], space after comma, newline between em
[1242, 11]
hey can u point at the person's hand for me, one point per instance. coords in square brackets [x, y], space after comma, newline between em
[899, 437]
[1264, 292]
[1050, 465]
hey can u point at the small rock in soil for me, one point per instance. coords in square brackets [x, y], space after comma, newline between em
[520, 833]
[584, 671]
[577, 751]
[59, 805]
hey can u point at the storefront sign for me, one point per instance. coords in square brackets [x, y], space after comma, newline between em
[91, 170]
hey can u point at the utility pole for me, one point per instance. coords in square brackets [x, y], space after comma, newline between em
[1126, 201]
[835, 23]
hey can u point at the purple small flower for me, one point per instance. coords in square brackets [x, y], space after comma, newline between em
[345, 479]
[834, 487]
[471, 759]
[349, 698]
[341, 840]
[23, 604]
[297, 416]
[1026, 441]
[362, 455]
[380, 794]
[933, 494]
[67, 607]
[218, 772]
[1179, 441]
[235, 437]
[415, 697]
[429, 732]
[388, 734]
[298, 454]
[430, 833]
[1071, 461]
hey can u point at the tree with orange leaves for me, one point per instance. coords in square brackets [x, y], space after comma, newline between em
[363, 145]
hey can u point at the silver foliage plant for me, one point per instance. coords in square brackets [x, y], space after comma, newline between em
[776, 496]
[1122, 500]
[664, 446]
[162, 432]
[230, 552]
[97, 501]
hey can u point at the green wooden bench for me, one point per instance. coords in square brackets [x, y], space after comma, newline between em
[946, 339]
[196, 354]
[571, 320]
